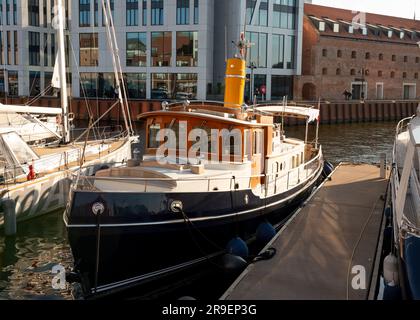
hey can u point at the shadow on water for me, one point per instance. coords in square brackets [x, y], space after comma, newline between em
[27, 259]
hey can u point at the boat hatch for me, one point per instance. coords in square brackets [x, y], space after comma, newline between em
[14, 153]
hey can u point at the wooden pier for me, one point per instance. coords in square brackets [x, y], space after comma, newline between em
[329, 249]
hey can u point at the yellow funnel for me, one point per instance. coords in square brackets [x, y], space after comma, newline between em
[235, 82]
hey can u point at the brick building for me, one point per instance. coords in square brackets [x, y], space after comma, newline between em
[372, 56]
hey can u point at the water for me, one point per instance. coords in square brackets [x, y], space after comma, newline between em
[26, 260]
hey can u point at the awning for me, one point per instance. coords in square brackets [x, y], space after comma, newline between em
[29, 109]
[310, 114]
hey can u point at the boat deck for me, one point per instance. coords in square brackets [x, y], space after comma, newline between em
[337, 229]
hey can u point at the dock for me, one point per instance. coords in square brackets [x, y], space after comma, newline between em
[329, 250]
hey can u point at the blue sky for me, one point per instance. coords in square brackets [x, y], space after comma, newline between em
[398, 8]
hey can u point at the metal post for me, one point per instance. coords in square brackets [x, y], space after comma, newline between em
[383, 165]
[9, 209]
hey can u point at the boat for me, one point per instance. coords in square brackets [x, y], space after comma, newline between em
[208, 173]
[405, 208]
[37, 177]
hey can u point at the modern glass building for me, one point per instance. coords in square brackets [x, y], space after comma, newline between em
[169, 49]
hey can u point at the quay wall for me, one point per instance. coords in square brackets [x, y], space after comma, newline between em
[331, 112]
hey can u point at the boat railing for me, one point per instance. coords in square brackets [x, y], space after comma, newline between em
[268, 184]
[99, 133]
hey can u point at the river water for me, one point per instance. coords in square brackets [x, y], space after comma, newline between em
[26, 260]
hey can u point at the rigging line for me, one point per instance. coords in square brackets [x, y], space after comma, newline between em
[96, 67]
[3, 56]
[81, 84]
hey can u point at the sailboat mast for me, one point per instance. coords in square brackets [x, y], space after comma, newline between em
[62, 65]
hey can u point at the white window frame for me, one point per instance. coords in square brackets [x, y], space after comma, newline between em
[380, 84]
[411, 84]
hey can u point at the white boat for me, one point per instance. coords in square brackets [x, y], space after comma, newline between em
[37, 178]
[405, 188]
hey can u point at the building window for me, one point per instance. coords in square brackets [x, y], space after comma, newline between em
[187, 49]
[250, 9]
[157, 12]
[16, 47]
[96, 13]
[257, 54]
[353, 72]
[136, 85]
[46, 49]
[44, 13]
[339, 54]
[34, 83]
[324, 71]
[178, 86]
[284, 14]
[2, 82]
[405, 59]
[392, 74]
[281, 86]
[1, 48]
[88, 84]
[33, 11]
[338, 72]
[52, 49]
[379, 73]
[100, 85]
[263, 14]
[196, 11]
[9, 47]
[48, 89]
[34, 48]
[13, 83]
[182, 11]
[132, 12]
[394, 57]
[144, 14]
[324, 52]
[88, 43]
[15, 12]
[8, 11]
[353, 55]
[416, 75]
[404, 75]
[278, 51]
[381, 56]
[161, 49]
[84, 13]
[417, 59]
[136, 49]
[290, 52]
[367, 55]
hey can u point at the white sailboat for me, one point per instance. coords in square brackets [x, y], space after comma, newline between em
[38, 178]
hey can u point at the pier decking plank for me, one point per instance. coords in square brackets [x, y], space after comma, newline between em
[315, 250]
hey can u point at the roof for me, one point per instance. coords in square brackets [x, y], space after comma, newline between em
[29, 109]
[291, 111]
[373, 22]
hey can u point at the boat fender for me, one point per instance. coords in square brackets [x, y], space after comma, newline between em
[392, 293]
[387, 242]
[238, 247]
[328, 169]
[233, 263]
[388, 212]
[391, 270]
[265, 233]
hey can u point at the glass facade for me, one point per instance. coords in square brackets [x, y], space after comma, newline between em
[9, 48]
[182, 11]
[250, 9]
[96, 13]
[290, 52]
[112, 4]
[84, 13]
[257, 54]
[45, 45]
[15, 12]
[178, 86]
[132, 12]
[89, 54]
[34, 49]
[196, 11]
[187, 49]
[97, 85]
[136, 85]
[161, 49]
[144, 13]
[281, 86]
[136, 49]
[284, 14]
[157, 12]
[16, 50]
[49, 90]
[277, 56]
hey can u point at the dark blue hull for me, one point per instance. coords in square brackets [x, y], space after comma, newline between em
[141, 239]
[411, 266]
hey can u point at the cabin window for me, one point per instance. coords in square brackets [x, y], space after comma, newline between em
[247, 145]
[257, 146]
[153, 132]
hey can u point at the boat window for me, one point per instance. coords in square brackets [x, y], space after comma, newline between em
[153, 132]
[257, 145]
[281, 166]
[247, 145]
